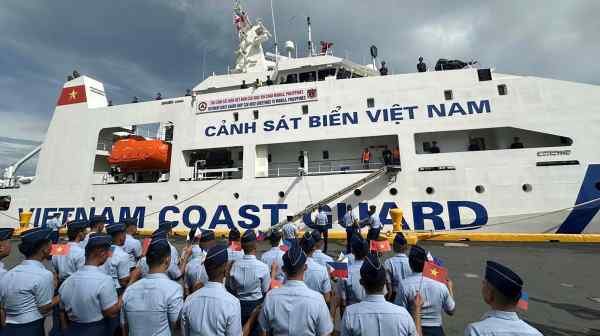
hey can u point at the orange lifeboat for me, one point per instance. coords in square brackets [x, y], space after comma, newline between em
[137, 153]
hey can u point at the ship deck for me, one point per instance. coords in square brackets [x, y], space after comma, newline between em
[561, 280]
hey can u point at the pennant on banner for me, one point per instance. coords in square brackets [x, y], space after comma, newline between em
[60, 249]
[435, 272]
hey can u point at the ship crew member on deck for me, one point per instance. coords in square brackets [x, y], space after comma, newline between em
[269, 81]
[383, 71]
[350, 223]
[88, 298]
[152, 306]
[436, 296]
[212, 311]
[396, 156]
[135, 99]
[257, 83]
[158, 96]
[234, 239]
[26, 291]
[517, 144]
[397, 269]
[274, 256]
[366, 158]
[96, 226]
[289, 230]
[188, 92]
[421, 66]
[322, 224]
[244, 85]
[132, 246]
[316, 276]
[294, 309]
[249, 278]
[374, 224]
[302, 158]
[434, 149]
[387, 156]
[501, 290]
[54, 224]
[373, 315]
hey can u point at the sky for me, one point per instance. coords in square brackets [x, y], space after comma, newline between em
[141, 47]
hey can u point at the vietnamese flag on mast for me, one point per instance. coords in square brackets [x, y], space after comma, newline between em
[72, 95]
[60, 249]
[435, 272]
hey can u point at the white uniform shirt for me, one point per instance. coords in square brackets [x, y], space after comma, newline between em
[65, 266]
[436, 297]
[133, 248]
[376, 317]
[501, 323]
[211, 311]
[117, 266]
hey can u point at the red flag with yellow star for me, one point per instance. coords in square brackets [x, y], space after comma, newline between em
[72, 95]
[60, 250]
[435, 272]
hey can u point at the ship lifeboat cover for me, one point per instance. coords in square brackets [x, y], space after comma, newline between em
[138, 153]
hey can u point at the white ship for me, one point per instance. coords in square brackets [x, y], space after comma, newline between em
[479, 150]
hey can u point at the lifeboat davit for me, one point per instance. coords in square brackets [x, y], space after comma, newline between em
[138, 153]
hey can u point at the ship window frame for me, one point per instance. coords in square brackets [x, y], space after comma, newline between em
[305, 77]
[324, 73]
[304, 109]
[255, 114]
[236, 116]
[448, 95]
[502, 90]
[371, 102]
[325, 154]
[291, 78]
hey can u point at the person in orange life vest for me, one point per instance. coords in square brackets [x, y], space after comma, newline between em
[396, 156]
[366, 158]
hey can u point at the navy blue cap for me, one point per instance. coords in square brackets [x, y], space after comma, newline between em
[504, 280]
[357, 243]
[215, 257]
[316, 235]
[167, 225]
[275, 235]
[294, 258]
[400, 239]
[130, 221]
[234, 234]
[6, 233]
[97, 219]
[159, 234]
[98, 240]
[417, 253]
[34, 236]
[159, 242]
[77, 225]
[372, 270]
[248, 236]
[207, 235]
[115, 228]
[307, 242]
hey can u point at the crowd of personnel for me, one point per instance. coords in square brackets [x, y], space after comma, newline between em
[106, 282]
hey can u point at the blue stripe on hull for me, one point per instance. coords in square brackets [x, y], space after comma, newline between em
[580, 217]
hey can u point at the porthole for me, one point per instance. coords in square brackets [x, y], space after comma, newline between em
[175, 197]
[236, 195]
[393, 191]
[429, 190]
[480, 189]
[112, 198]
[598, 185]
[281, 194]
[527, 187]
[357, 192]
[92, 199]
[149, 197]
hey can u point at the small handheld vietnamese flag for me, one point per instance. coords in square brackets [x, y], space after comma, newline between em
[235, 246]
[380, 245]
[261, 236]
[340, 269]
[523, 303]
[60, 249]
[435, 272]
[145, 245]
[275, 283]
[285, 246]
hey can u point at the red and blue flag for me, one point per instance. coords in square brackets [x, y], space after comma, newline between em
[340, 269]
[523, 303]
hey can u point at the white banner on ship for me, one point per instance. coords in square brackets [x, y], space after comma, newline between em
[257, 100]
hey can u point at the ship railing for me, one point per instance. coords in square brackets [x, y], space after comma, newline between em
[217, 174]
[104, 146]
[323, 168]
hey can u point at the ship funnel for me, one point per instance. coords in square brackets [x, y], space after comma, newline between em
[81, 90]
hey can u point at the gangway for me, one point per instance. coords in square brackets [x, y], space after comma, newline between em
[310, 208]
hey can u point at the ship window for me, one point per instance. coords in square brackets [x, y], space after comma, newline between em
[448, 95]
[324, 73]
[309, 76]
[255, 114]
[4, 203]
[343, 74]
[370, 102]
[486, 139]
[292, 78]
[213, 164]
[236, 116]
[304, 109]
[355, 75]
[325, 155]
[502, 90]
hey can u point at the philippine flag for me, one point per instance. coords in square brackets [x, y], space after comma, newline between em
[523, 303]
[340, 269]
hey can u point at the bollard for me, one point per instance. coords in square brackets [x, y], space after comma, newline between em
[24, 218]
[397, 219]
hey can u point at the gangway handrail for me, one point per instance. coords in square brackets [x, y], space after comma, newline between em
[311, 207]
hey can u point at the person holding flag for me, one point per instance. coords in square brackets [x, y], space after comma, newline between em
[350, 223]
[195, 273]
[294, 309]
[234, 249]
[437, 295]
[97, 224]
[352, 291]
[375, 316]
[397, 269]
[273, 257]
[501, 290]
[318, 255]
[176, 269]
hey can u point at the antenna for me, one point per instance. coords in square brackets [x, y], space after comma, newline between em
[310, 44]
[274, 33]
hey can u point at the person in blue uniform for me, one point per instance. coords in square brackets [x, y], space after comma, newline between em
[318, 255]
[65, 266]
[374, 316]
[249, 278]
[117, 266]
[501, 290]
[352, 291]
[27, 290]
[195, 274]
[323, 224]
[88, 298]
[211, 310]
[132, 246]
[397, 269]
[273, 257]
[97, 224]
[350, 223]
[55, 225]
[167, 227]
[374, 224]
[316, 276]
[176, 269]
[294, 309]
[437, 297]
[234, 237]
[152, 306]
[5, 247]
